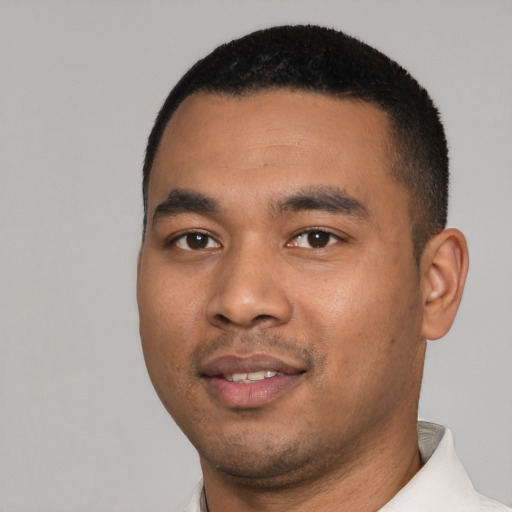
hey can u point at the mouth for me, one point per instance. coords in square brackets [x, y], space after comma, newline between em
[249, 382]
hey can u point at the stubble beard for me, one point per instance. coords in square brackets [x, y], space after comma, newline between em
[286, 452]
[257, 455]
[272, 464]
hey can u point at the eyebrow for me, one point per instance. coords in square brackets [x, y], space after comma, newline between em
[322, 198]
[185, 201]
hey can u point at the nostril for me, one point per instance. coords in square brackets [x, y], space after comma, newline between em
[262, 318]
[263, 321]
[221, 319]
[257, 320]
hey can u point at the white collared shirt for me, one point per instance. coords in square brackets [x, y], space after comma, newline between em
[441, 485]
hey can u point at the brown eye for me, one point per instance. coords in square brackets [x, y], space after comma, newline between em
[318, 239]
[195, 241]
[314, 239]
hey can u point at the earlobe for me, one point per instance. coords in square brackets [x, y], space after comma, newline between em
[444, 267]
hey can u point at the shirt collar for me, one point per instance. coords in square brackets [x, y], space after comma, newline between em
[441, 484]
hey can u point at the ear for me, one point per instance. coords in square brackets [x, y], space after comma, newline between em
[444, 267]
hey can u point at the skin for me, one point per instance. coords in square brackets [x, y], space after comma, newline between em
[350, 314]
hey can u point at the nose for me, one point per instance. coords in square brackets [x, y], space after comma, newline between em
[249, 291]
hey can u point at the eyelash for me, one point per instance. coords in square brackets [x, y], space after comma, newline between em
[294, 242]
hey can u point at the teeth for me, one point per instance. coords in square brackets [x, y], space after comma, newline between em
[247, 378]
[256, 375]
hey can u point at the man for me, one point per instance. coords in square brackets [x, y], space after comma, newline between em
[295, 259]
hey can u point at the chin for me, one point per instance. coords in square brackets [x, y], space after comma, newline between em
[265, 463]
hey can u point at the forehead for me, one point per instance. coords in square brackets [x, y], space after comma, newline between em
[277, 138]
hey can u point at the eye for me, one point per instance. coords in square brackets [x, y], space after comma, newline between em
[195, 241]
[314, 239]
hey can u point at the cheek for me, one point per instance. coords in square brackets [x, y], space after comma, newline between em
[167, 312]
[369, 349]
[367, 316]
[164, 349]
[167, 304]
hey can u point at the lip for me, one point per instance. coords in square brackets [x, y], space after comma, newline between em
[256, 394]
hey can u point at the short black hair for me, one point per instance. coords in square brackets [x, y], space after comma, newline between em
[323, 60]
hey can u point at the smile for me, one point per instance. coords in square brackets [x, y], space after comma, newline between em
[249, 382]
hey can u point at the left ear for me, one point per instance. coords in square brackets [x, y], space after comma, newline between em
[444, 267]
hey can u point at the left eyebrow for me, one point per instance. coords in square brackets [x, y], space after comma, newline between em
[324, 198]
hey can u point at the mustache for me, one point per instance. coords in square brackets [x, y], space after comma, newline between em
[258, 342]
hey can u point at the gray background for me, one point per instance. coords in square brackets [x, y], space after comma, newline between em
[80, 84]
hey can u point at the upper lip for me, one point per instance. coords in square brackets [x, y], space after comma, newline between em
[229, 364]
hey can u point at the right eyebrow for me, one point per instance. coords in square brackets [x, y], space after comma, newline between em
[185, 201]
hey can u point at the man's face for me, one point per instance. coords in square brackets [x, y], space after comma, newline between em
[279, 299]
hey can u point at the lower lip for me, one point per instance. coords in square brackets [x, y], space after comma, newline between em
[247, 396]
